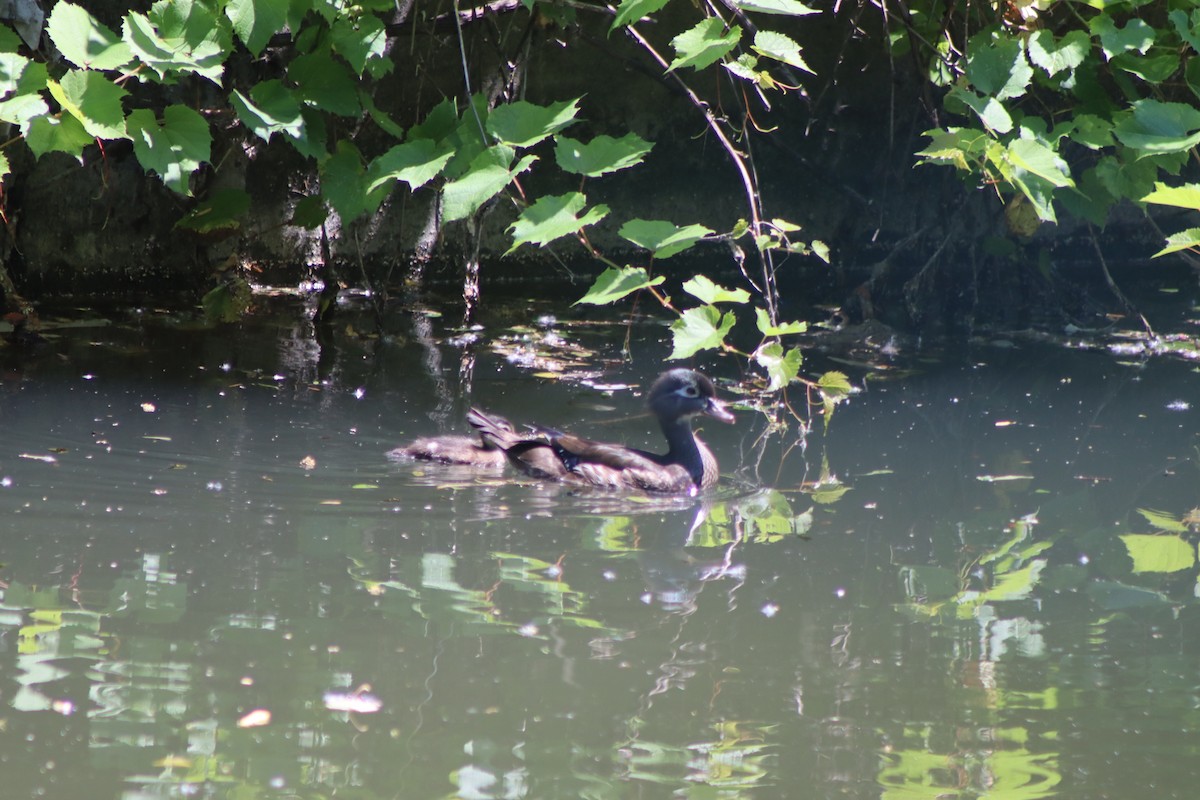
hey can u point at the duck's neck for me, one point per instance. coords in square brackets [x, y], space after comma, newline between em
[683, 448]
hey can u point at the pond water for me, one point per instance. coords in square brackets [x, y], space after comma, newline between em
[980, 581]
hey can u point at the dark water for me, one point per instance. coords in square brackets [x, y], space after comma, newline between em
[208, 560]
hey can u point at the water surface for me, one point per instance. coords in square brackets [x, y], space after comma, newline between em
[216, 585]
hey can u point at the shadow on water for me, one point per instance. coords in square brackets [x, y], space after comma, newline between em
[980, 580]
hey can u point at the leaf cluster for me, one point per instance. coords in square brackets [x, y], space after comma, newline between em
[1066, 105]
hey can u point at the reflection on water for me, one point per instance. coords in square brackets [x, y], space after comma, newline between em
[980, 581]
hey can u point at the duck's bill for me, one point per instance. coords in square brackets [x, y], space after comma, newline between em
[717, 410]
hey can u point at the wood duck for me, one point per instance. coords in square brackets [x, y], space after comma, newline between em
[687, 467]
[468, 451]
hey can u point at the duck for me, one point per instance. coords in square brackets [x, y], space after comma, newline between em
[676, 398]
[455, 449]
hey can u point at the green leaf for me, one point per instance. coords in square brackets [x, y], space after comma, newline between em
[1094, 133]
[615, 283]
[523, 124]
[180, 36]
[791, 8]
[65, 134]
[84, 41]
[94, 100]
[20, 76]
[325, 83]
[551, 218]
[779, 47]
[1186, 196]
[10, 42]
[704, 44]
[706, 291]
[439, 123]
[343, 184]
[1037, 158]
[362, 41]
[783, 329]
[835, 384]
[782, 368]
[271, 108]
[1184, 240]
[1152, 68]
[1153, 553]
[702, 328]
[996, 66]
[991, 112]
[1158, 127]
[662, 238]
[416, 163]
[1057, 56]
[381, 118]
[221, 212]
[603, 154]
[256, 21]
[633, 10]
[1187, 28]
[174, 148]
[487, 175]
[310, 213]
[1163, 521]
[1137, 35]
[22, 109]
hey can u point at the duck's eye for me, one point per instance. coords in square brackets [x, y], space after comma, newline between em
[691, 391]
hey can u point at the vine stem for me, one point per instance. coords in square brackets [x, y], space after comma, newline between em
[753, 200]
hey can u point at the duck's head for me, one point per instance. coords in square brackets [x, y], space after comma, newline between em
[683, 393]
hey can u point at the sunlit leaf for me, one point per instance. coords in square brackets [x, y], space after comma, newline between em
[84, 41]
[779, 47]
[1136, 35]
[94, 100]
[603, 154]
[791, 8]
[551, 218]
[255, 21]
[1184, 240]
[1158, 127]
[783, 329]
[664, 239]
[65, 134]
[523, 124]
[631, 11]
[1057, 56]
[704, 290]
[782, 368]
[416, 163]
[835, 383]
[270, 108]
[1162, 520]
[701, 328]
[173, 148]
[707, 42]
[996, 65]
[1186, 196]
[615, 283]
[361, 39]
[1040, 160]
[1154, 553]
[486, 177]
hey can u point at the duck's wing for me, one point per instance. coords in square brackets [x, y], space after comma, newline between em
[614, 466]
